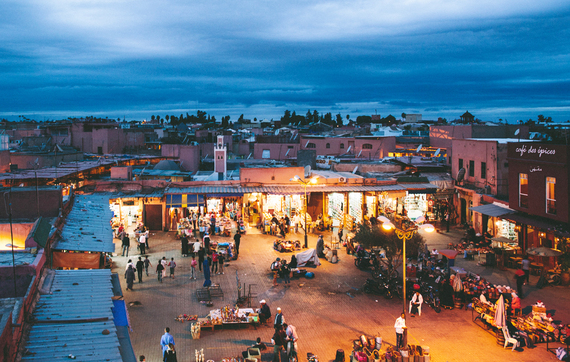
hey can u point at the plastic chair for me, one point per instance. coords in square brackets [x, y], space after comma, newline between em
[254, 353]
[509, 339]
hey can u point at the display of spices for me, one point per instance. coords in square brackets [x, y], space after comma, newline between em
[186, 317]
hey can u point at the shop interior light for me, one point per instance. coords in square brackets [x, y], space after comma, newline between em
[428, 228]
[388, 226]
[383, 219]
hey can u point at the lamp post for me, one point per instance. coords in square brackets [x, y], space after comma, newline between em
[305, 182]
[405, 235]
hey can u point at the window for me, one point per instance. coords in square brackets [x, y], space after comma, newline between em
[523, 190]
[472, 168]
[342, 146]
[328, 145]
[551, 195]
[367, 146]
[290, 147]
[460, 163]
[484, 170]
[311, 145]
[266, 154]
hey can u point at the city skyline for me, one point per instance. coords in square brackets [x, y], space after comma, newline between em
[499, 60]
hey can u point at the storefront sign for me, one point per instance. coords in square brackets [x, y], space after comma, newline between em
[535, 150]
[536, 169]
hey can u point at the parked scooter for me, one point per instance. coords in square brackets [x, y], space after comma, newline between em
[431, 298]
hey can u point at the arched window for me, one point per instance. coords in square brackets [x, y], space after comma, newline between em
[328, 145]
[342, 146]
[367, 146]
[311, 145]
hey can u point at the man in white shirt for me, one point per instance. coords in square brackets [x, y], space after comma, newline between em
[416, 304]
[400, 326]
[292, 337]
[142, 242]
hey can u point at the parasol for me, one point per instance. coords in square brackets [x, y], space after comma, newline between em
[448, 253]
[500, 313]
[383, 219]
[543, 251]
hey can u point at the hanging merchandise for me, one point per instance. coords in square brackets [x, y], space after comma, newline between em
[335, 208]
[355, 206]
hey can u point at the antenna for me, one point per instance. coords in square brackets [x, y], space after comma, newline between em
[249, 156]
[419, 149]
[306, 144]
[287, 152]
[354, 171]
[359, 153]
[349, 147]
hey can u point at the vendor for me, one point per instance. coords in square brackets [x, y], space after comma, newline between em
[320, 247]
[264, 311]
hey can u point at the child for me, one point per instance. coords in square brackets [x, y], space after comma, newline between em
[159, 270]
[172, 265]
[147, 264]
[193, 264]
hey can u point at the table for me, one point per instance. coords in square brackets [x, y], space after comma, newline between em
[535, 268]
[514, 261]
[459, 271]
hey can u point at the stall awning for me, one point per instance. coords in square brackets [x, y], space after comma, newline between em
[492, 210]
[538, 222]
[184, 200]
[420, 188]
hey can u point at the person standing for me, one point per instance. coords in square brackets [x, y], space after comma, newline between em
[184, 242]
[207, 242]
[170, 354]
[279, 319]
[285, 272]
[213, 224]
[130, 277]
[525, 266]
[200, 258]
[207, 280]
[237, 240]
[140, 268]
[159, 270]
[320, 247]
[146, 237]
[193, 264]
[520, 278]
[194, 217]
[146, 264]
[291, 333]
[126, 244]
[165, 340]
[142, 243]
[221, 258]
[278, 341]
[215, 262]
[172, 265]
[400, 326]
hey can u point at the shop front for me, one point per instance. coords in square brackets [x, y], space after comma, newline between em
[370, 205]
[179, 206]
[416, 205]
[355, 205]
[126, 211]
[335, 208]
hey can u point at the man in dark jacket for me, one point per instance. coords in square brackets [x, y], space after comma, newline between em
[279, 340]
[264, 312]
[140, 268]
[126, 244]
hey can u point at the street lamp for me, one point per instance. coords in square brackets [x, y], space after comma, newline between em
[305, 182]
[405, 235]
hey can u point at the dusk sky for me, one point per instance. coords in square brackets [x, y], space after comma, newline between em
[506, 59]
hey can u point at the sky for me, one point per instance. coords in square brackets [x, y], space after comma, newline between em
[498, 59]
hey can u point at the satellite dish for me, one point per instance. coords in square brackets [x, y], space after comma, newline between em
[419, 148]
[436, 153]
[460, 174]
[517, 131]
[307, 171]
[354, 171]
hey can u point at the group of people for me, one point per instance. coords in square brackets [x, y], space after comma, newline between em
[143, 265]
[142, 241]
[282, 225]
[280, 268]
[285, 336]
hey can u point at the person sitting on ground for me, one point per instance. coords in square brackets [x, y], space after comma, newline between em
[264, 312]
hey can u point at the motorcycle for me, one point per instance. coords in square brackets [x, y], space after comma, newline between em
[365, 261]
[430, 298]
[312, 358]
[374, 286]
[552, 277]
[393, 288]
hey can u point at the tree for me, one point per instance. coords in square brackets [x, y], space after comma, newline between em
[315, 116]
[339, 122]
[375, 236]
[152, 118]
[327, 119]
[201, 116]
[403, 116]
[363, 119]
[308, 117]
[286, 119]
[167, 117]
[225, 121]
[240, 119]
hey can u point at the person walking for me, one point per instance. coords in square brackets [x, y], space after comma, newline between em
[213, 224]
[140, 269]
[142, 243]
[170, 354]
[200, 258]
[126, 244]
[237, 241]
[165, 340]
[146, 264]
[279, 319]
[159, 270]
[278, 341]
[164, 263]
[207, 242]
[146, 237]
[184, 242]
[193, 264]
[525, 266]
[285, 272]
[172, 265]
[207, 280]
[130, 277]
[400, 327]
[520, 278]
[221, 258]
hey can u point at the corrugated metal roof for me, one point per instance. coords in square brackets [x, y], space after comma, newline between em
[492, 210]
[416, 186]
[282, 189]
[87, 227]
[82, 297]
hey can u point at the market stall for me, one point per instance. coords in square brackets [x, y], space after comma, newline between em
[286, 245]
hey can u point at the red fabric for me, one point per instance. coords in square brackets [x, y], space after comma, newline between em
[519, 272]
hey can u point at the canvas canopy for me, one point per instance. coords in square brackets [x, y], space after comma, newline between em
[308, 256]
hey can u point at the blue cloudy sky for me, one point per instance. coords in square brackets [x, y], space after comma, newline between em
[506, 59]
